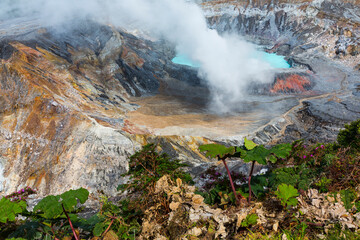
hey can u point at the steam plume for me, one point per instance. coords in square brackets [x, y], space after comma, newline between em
[227, 63]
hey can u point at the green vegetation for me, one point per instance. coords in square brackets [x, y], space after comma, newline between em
[9, 210]
[287, 195]
[47, 220]
[113, 217]
[348, 197]
[52, 207]
[147, 166]
[294, 170]
[56, 217]
[350, 136]
[250, 219]
[323, 184]
[250, 152]
[222, 153]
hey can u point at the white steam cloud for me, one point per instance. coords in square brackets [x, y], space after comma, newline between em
[227, 63]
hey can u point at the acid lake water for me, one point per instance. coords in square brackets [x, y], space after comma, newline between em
[184, 60]
[276, 61]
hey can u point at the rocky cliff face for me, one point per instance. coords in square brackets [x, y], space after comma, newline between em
[320, 36]
[292, 27]
[63, 101]
[70, 98]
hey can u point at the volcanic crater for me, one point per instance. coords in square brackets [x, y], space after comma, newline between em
[83, 99]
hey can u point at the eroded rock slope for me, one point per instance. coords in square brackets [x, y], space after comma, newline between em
[63, 96]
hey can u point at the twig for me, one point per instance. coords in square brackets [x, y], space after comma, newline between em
[108, 228]
[151, 173]
[72, 227]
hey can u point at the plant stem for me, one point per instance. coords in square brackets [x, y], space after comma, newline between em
[72, 227]
[231, 182]
[108, 228]
[251, 172]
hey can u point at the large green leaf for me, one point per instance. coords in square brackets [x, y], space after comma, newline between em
[258, 154]
[287, 194]
[9, 210]
[281, 150]
[51, 206]
[272, 159]
[240, 152]
[217, 150]
[249, 144]
[69, 198]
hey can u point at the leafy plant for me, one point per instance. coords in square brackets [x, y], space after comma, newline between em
[33, 229]
[250, 219]
[348, 197]
[111, 219]
[350, 136]
[300, 177]
[147, 166]
[9, 209]
[222, 153]
[287, 195]
[217, 184]
[54, 206]
[357, 205]
[323, 184]
[251, 152]
[47, 216]
[217, 151]
[259, 185]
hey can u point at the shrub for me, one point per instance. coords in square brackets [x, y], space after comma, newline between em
[350, 136]
[287, 195]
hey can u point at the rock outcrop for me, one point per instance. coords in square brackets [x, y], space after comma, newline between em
[63, 98]
[320, 37]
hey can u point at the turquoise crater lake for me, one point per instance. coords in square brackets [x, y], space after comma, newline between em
[276, 61]
[184, 60]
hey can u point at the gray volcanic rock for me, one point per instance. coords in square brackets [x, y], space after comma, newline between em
[318, 36]
[291, 26]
